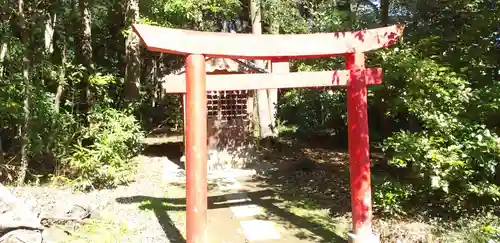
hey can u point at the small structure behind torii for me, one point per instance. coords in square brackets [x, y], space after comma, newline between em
[231, 114]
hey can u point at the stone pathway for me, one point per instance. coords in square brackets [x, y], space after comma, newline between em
[243, 220]
[254, 229]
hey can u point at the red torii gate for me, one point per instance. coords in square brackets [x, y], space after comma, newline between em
[276, 48]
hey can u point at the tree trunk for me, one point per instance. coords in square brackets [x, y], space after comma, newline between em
[353, 9]
[25, 127]
[2, 160]
[86, 56]
[383, 97]
[275, 67]
[133, 51]
[50, 24]
[60, 50]
[57, 100]
[384, 18]
[3, 53]
[262, 98]
[24, 130]
[62, 82]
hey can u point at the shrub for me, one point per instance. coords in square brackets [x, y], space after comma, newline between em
[451, 159]
[113, 139]
[390, 197]
[314, 111]
[456, 167]
[52, 132]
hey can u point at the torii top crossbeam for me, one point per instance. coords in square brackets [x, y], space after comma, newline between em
[265, 47]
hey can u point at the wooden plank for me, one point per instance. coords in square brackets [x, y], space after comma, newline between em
[268, 47]
[227, 82]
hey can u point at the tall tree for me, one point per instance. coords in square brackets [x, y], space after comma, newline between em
[3, 53]
[24, 129]
[85, 55]
[262, 97]
[50, 22]
[384, 5]
[133, 51]
[279, 67]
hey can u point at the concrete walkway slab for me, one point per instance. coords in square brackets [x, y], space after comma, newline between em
[246, 211]
[260, 230]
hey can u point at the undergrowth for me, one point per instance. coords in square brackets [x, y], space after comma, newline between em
[103, 156]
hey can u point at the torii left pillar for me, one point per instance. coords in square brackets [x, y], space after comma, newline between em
[196, 149]
[359, 155]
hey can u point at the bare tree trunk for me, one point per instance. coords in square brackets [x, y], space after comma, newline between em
[49, 32]
[6, 11]
[24, 130]
[3, 53]
[384, 4]
[62, 82]
[262, 98]
[2, 160]
[57, 100]
[86, 55]
[133, 52]
[25, 127]
[275, 68]
[353, 6]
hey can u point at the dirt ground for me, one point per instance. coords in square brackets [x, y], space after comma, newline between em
[296, 192]
[303, 189]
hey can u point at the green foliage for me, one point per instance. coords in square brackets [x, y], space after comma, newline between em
[436, 114]
[106, 229]
[391, 197]
[52, 132]
[449, 156]
[285, 14]
[114, 139]
[180, 13]
[484, 229]
[314, 110]
[461, 167]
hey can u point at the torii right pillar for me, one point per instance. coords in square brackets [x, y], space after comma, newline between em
[359, 151]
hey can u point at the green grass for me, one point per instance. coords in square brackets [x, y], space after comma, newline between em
[104, 230]
[321, 217]
[479, 229]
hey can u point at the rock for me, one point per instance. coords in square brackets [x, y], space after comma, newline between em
[22, 236]
[53, 235]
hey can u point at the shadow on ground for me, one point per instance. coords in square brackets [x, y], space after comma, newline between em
[308, 175]
[264, 198]
[159, 207]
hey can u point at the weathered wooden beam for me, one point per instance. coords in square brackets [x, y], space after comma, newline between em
[228, 82]
[268, 47]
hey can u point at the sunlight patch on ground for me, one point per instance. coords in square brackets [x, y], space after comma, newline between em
[245, 211]
[259, 230]
[339, 225]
